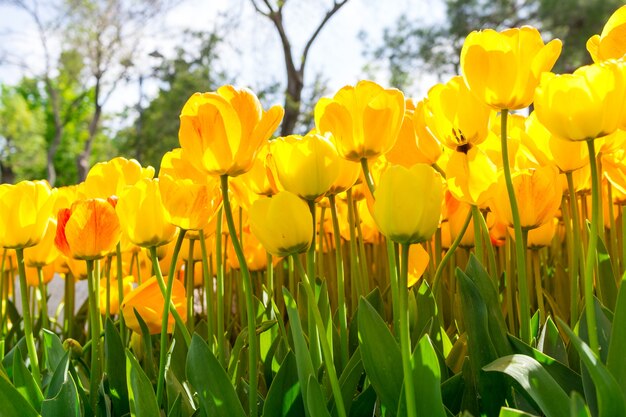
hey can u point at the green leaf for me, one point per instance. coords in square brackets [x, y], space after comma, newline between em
[550, 342]
[13, 404]
[141, 395]
[303, 357]
[364, 404]
[535, 381]
[381, 355]
[577, 405]
[317, 402]
[606, 277]
[54, 349]
[176, 408]
[511, 412]
[25, 383]
[148, 360]
[610, 397]
[284, 398]
[349, 380]
[62, 396]
[616, 361]
[115, 368]
[205, 374]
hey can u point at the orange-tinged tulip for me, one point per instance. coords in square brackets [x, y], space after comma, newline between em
[418, 262]
[283, 224]
[471, 176]
[260, 179]
[364, 119]
[44, 252]
[190, 206]
[24, 211]
[585, 105]
[223, 130]
[610, 43]
[114, 303]
[306, 165]
[143, 216]
[541, 236]
[148, 300]
[32, 275]
[177, 164]
[503, 68]
[537, 196]
[109, 178]
[455, 116]
[253, 250]
[427, 144]
[407, 205]
[405, 151]
[456, 213]
[89, 229]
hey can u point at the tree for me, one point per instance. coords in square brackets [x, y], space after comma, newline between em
[294, 66]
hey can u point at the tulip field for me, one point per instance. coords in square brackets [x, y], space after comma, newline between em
[458, 255]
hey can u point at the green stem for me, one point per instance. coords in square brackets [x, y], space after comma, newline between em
[538, 284]
[120, 290]
[623, 238]
[449, 253]
[189, 287]
[316, 354]
[355, 268]
[28, 323]
[478, 239]
[44, 299]
[219, 311]
[341, 290]
[576, 249]
[490, 252]
[70, 288]
[405, 340]
[328, 358]
[95, 330]
[368, 175]
[591, 251]
[247, 287]
[520, 250]
[208, 288]
[362, 257]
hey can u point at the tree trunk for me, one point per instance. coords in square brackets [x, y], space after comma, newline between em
[7, 173]
[293, 98]
[82, 160]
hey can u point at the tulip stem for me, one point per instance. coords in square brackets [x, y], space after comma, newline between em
[95, 370]
[189, 286]
[341, 300]
[120, 290]
[316, 355]
[328, 358]
[367, 175]
[576, 250]
[44, 300]
[250, 310]
[520, 250]
[208, 288]
[591, 251]
[28, 324]
[219, 261]
[405, 338]
[446, 258]
[355, 268]
[478, 239]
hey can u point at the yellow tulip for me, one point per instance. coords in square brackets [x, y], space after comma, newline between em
[364, 119]
[283, 224]
[260, 179]
[455, 116]
[306, 165]
[178, 165]
[190, 206]
[253, 250]
[456, 212]
[45, 252]
[471, 176]
[418, 262]
[537, 194]
[114, 304]
[32, 275]
[148, 300]
[24, 211]
[223, 130]
[106, 179]
[405, 152]
[610, 43]
[585, 105]
[541, 236]
[427, 144]
[90, 229]
[503, 68]
[407, 205]
[143, 217]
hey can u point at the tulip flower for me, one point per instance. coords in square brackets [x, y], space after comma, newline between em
[260, 179]
[418, 262]
[306, 165]
[585, 105]
[88, 230]
[114, 304]
[471, 176]
[610, 43]
[283, 224]
[223, 130]
[24, 211]
[45, 252]
[256, 256]
[503, 68]
[427, 144]
[148, 300]
[405, 151]
[106, 179]
[407, 204]
[364, 119]
[190, 206]
[143, 216]
[178, 165]
[538, 197]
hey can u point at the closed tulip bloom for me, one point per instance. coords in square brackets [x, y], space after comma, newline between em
[610, 43]
[32, 275]
[348, 175]
[418, 262]
[45, 252]
[148, 300]
[260, 179]
[253, 250]
[114, 303]
[109, 178]
[503, 68]
[407, 204]
[537, 194]
[190, 206]
[306, 165]
[223, 130]
[428, 145]
[585, 105]
[90, 229]
[364, 119]
[283, 224]
[24, 211]
[455, 116]
[542, 236]
[143, 217]
[405, 151]
[456, 213]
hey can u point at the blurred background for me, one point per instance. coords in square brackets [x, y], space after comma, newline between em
[82, 81]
